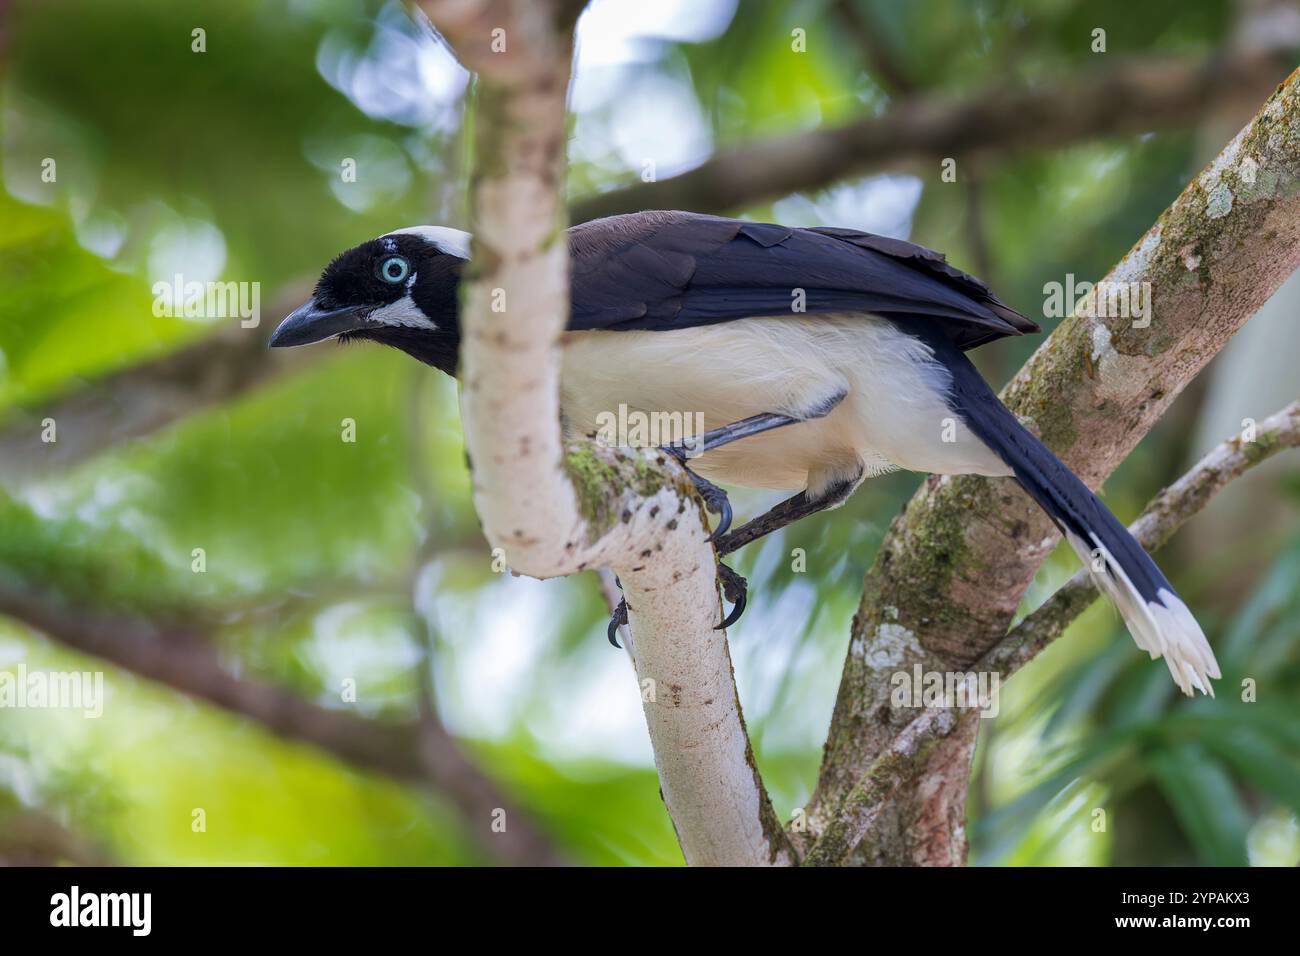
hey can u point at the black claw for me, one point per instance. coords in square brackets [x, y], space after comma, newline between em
[715, 500]
[735, 589]
[616, 620]
[724, 518]
[737, 609]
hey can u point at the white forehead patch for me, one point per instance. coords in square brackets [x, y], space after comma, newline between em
[453, 242]
[403, 312]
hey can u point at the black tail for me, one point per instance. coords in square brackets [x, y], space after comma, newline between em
[1156, 617]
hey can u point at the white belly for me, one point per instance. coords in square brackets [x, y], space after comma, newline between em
[893, 415]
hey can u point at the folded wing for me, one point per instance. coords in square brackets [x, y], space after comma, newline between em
[671, 270]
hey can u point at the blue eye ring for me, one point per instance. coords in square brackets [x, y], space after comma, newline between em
[394, 269]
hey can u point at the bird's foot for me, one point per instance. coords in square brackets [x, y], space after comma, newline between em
[617, 620]
[715, 499]
[735, 589]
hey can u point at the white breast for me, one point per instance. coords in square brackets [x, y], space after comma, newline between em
[894, 413]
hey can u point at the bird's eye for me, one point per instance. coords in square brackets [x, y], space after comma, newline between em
[394, 269]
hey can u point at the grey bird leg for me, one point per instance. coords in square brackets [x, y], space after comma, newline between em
[793, 509]
[787, 512]
[734, 587]
[715, 499]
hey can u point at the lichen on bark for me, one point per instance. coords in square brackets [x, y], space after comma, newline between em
[956, 562]
[604, 476]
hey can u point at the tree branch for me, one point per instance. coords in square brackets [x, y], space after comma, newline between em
[881, 59]
[184, 660]
[140, 399]
[558, 509]
[31, 838]
[951, 572]
[1166, 513]
[1135, 97]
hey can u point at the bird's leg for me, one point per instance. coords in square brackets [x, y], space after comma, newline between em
[787, 512]
[715, 499]
[725, 435]
[734, 587]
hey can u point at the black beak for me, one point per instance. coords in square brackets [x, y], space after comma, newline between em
[310, 323]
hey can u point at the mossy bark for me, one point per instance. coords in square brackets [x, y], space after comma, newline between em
[955, 564]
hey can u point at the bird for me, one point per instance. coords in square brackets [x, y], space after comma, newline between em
[815, 357]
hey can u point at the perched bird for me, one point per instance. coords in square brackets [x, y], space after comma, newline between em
[818, 357]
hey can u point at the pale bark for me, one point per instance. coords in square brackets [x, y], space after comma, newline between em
[557, 510]
[953, 568]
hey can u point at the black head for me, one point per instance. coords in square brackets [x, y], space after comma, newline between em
[399, 289]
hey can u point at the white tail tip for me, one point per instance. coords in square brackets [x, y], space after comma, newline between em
[1163, 627]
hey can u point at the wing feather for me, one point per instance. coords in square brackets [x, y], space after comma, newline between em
[666, 270]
